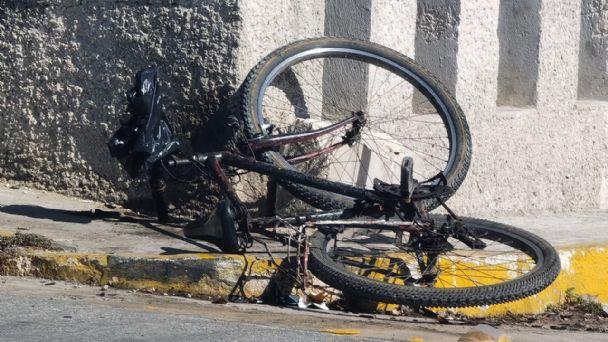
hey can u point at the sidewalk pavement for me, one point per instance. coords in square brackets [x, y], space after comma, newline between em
[134, 252]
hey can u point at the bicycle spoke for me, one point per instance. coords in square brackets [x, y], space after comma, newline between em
[319, 88]
[375, 256]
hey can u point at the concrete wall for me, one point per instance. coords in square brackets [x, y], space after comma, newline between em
[519, 38]
[437, 38]
[268, 25]
[531, 158]
[64, 67]
[593, 83]
[529, 74]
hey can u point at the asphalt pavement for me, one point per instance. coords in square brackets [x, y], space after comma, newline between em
[60, 316]
[43, 310]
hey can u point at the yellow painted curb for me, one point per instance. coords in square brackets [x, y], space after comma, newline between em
[584, 268]
[197, 274]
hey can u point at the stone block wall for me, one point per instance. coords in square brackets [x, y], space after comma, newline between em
[530, 76]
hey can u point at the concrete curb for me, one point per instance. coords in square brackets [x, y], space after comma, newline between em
[584, 268]
[201, 275]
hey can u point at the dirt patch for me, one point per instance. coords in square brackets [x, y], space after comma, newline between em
[576, 312]
[9, 246]
[26, 240]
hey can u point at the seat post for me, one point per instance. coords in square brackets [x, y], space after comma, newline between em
[159, 189]
[271, 198]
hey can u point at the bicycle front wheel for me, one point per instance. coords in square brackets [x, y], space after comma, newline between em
[372, 263]
[315, 83]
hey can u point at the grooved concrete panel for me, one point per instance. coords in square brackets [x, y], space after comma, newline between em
[350, 19]
[477, 57]
[437, 38]
[593, 68]
[558, 54]
[547, 158]
[345, 82]
[268, 25]
[392, 25]
[604, 175]
[519, 37]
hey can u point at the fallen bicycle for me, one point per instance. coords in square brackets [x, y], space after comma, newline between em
[373, 236]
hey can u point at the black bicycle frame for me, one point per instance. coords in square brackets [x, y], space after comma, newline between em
[214, 160]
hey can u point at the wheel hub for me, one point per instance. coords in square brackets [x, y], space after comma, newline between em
[354, 134]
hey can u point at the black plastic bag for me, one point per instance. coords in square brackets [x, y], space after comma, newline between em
[146, 137]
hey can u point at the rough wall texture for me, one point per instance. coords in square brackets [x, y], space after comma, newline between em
[268, 25]
[545, 158]
[64, 66]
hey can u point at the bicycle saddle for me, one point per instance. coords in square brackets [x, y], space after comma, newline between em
[218, 228]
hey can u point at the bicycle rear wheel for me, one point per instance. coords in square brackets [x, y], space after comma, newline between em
[315, 83]
[515, 264]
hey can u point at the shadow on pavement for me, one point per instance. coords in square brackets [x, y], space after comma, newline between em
[179, 251]
[87, 216]
[39, 212]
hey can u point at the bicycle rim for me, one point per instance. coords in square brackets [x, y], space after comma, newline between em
[404, 115]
